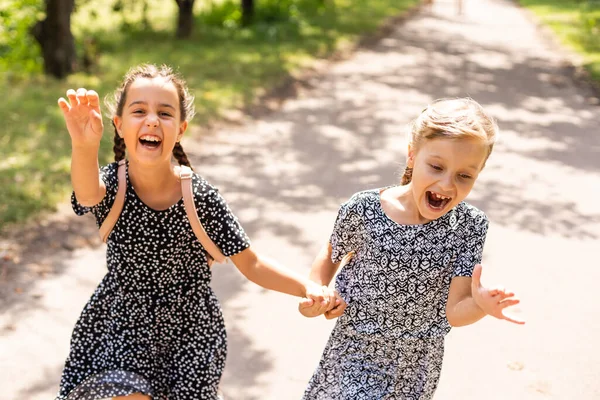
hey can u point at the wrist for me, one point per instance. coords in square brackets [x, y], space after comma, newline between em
[477, 299]
[84, 148]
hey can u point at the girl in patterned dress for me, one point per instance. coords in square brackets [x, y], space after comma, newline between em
[415, 268]
[153, 328]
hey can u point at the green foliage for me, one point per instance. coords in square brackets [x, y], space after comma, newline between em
[20, 54]
[226, 66]
[590, 24]
[576, 23]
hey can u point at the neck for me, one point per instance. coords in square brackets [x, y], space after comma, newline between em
[151, 178]
[407, 204]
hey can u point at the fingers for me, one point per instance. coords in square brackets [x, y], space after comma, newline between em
[97, 126]
[338, 309]
[513, 320]
[64, 105]
[94, 101]
[508, 303]
[321, 299]
[81, 96]
[93, 98]
[84, 97]
[305, 303]
[72, 96]
[503, 296]
[331, 299]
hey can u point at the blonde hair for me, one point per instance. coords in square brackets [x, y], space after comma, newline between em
[461, 118]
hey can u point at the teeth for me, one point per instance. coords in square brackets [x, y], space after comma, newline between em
[150, 138]
[439, 196]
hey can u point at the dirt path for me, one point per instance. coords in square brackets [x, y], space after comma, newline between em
[285, 175]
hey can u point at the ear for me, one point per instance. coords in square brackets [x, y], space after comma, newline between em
[410, 158]
[182, 128]
[118, 123]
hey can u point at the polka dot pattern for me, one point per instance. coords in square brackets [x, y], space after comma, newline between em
[153, 325]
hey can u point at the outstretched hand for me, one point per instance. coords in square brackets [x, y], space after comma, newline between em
[493, 301]
[82, 116]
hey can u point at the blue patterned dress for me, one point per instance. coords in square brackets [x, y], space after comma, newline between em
[153, 325]
[389, 343]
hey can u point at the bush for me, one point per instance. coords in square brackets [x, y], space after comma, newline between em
[20, 54]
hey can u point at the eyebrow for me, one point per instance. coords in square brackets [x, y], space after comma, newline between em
[475, 167]
[144, 103]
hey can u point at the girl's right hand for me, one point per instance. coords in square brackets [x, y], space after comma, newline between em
[83, 117]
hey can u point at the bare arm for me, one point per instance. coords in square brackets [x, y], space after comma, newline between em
[469, 301]
[89, 189]
[268, 274]
[461, 309]
[84, 123]
[322, 272]
[323, 269]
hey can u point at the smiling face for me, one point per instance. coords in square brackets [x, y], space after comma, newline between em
[150, 123]
[444, 172]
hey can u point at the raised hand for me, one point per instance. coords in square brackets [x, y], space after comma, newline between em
[493, 301]
[82, 116]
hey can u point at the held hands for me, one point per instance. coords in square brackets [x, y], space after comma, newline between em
[82, 116]
[332, 305]
[492, 301]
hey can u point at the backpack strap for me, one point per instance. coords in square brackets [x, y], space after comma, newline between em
[117, 207]
[185, 176]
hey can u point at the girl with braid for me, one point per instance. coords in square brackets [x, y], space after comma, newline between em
[153, 329]
[415, 269]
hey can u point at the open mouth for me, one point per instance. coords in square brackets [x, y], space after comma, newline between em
[150, 141]
[437, 201]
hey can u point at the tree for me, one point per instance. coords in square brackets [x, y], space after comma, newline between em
[55, 38]
[185, 19]
[247, 11]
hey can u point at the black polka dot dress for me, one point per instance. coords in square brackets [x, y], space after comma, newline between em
[153, 325]
[389, 343]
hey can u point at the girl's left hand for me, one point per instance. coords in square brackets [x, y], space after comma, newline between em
[318, 300]
[493, 301]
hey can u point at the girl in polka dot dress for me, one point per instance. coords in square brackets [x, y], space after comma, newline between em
[153, 328]
[415, 269]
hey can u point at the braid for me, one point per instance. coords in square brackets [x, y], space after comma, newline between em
[118, 147]
[407, 176]
[180, 155]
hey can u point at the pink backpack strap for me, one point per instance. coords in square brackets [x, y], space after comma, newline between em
[185, 175]
[117, 207]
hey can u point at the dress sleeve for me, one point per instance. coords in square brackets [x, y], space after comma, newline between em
[108, 174]
[471, 248]
[221, 225]
[346, 235]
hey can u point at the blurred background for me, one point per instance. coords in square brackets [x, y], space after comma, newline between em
[230, 51]
[300, 104]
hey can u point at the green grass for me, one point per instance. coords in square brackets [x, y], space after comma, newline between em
[576, 23]
[225, 65]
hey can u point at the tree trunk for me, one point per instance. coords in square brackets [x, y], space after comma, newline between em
[185, 19]
[55, 37]
[247, 12]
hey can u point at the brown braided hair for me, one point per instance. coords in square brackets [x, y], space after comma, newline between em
[118, 146]
[180, 155]
[453, 119]
[116, 102]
